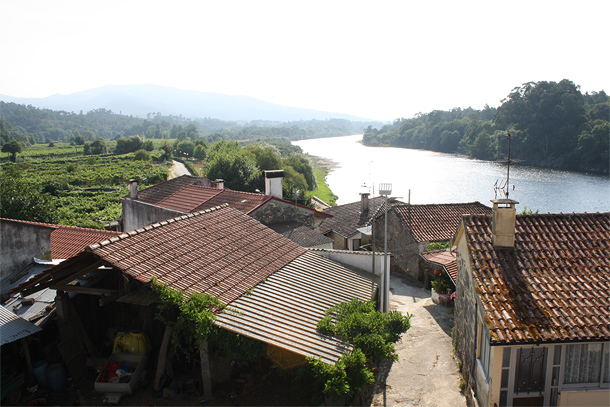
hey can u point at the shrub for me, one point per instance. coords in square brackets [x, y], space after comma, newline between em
[142, 155]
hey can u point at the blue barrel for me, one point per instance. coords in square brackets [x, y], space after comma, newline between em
[56, 377]
[40, 371]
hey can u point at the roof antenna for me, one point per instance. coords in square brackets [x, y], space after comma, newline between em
[504, 187]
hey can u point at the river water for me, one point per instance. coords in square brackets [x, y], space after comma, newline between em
[448, 178]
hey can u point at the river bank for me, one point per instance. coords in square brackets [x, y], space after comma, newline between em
[322, 166]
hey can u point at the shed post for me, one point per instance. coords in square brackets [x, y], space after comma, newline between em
[206, 375]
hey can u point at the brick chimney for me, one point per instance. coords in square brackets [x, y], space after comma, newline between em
[364, 202]
[503, 221]
[273, 183]
[219, 184]
[133, 189]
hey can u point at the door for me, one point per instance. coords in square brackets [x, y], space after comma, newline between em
[530, 375]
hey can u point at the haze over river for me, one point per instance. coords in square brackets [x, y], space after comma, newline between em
[448, 178]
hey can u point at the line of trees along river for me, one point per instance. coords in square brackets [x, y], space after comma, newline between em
[432, 177]
[553, 125]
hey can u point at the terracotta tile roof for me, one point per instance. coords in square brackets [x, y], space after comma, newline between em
[300, 234]
[444, 258]
[67, 241]
[245, 202]
[436, 222]
[553, 286]
[189, 198]
[221, 252]
[348, 218]
[159, 192]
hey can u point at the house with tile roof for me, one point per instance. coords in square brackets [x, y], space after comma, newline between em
[21, 241]
[532, 308]
[275, 290]
[411, 229]
[348, 227]
[187, 194]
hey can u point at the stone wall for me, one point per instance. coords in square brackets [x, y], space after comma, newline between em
[339, 242]
[20, 243]
[278, 211]
[466, 316]
[137, 214]
[404, 248]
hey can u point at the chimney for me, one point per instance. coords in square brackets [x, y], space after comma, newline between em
[133, 188]
[273, 183]
[220, 184]
[503, 220]
[364, 202]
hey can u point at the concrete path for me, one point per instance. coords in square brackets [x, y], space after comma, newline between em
[177, 169]
[426, 373]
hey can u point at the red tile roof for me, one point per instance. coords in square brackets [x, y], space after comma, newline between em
[246, 202]
[300, 234]
[445, 258]
[553, 286]
[67, 241]
[436, 222]
[348, 218]
[159, 192]
[221, 252]
[189, 198]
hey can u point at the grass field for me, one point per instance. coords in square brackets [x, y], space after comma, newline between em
[323, 192]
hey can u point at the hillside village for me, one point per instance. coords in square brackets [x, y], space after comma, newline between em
[529, 325]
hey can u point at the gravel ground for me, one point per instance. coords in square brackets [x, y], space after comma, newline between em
[426, 373]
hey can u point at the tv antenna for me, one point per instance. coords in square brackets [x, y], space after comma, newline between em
[503, 188]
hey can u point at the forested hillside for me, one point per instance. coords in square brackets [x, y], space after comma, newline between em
[552, 125]
[31, 125]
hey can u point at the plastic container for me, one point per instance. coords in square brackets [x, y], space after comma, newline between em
[56, 376]
[137, 361]
[40, 371]
[131, 342]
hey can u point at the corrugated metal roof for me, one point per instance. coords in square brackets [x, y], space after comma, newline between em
[285, 309]
[42, 302]
[13, 327]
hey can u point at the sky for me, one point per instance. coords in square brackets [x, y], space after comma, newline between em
[379, 60]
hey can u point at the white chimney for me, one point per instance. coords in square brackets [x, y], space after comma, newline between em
[273, 183]
[364, 202]
[220, 184]
[133, 189]
[503, 221]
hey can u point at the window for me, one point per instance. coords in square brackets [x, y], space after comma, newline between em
[484, 349]
[587, 364]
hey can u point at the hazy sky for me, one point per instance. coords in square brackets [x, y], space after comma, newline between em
[374, 59]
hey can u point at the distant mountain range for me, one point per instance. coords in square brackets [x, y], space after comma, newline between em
[140, 100]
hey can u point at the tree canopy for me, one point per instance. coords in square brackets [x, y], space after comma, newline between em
[552, 123]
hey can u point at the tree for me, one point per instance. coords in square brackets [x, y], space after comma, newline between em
[96, 147]
[18, 200]
[142, 155]
[301, 164]
[184, 149]
[199, 152]
[238, 170]
[13, 147]
[129, 145]
[149, 145]
[593, 149]
[267, 157]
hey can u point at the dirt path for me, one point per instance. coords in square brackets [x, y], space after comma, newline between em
[426, 373]
[177, 169]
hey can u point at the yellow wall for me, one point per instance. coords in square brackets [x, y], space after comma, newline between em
[581, 398]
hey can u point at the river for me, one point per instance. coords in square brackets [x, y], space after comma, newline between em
[449, 178]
